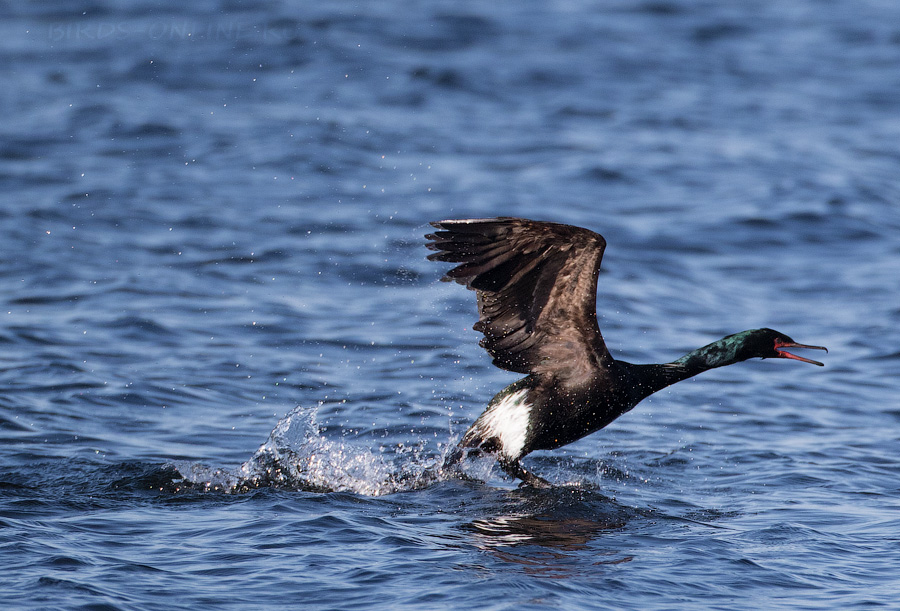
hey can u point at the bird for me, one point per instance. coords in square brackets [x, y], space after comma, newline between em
[536, 290]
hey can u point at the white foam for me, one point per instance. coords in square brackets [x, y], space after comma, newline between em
[300, 455]
[297, 455]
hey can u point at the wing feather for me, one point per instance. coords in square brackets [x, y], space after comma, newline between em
[536, 288]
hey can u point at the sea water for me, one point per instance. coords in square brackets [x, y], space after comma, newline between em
[228, 371]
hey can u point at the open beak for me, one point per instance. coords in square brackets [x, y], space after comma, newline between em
[787, 355]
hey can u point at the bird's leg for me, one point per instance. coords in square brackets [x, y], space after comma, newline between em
[510, 466]
[514, 468]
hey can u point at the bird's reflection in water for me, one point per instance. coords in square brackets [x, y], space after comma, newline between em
[560, 523]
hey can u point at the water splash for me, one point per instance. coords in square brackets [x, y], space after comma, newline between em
[297, 456]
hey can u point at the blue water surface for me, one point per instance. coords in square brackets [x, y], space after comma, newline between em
[213, 212]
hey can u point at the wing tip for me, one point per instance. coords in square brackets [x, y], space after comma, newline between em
[449, 223]
[468, 221]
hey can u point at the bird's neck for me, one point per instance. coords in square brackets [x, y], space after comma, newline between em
[726, 351]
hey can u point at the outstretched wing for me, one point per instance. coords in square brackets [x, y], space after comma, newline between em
[536, 286]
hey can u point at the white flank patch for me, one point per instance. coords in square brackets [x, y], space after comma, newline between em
[508, 421]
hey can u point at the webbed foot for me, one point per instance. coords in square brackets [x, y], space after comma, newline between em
[514, 468]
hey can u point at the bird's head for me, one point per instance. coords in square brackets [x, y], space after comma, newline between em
[771, 344]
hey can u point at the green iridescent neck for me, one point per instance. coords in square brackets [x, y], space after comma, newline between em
[725, 351]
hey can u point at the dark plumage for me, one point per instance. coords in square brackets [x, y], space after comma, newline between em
[536, 287]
